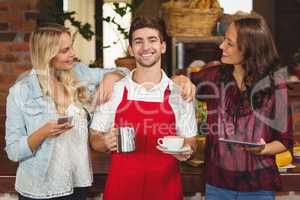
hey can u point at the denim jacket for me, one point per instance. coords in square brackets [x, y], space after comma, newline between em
[27, 110]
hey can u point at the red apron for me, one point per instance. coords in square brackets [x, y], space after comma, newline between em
[146, 173]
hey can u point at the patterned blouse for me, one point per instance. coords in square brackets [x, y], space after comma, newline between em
[232, 116]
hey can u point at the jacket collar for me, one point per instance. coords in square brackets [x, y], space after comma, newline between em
[35, 83]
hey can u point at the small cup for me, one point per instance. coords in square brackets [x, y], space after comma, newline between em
[171, 142]
[125, 139]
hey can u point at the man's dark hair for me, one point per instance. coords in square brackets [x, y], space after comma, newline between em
[147, 22]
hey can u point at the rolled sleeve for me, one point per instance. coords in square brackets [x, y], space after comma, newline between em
[99, 124]
[186, 124]
[103, 118]
[104, 115]
[184, 111]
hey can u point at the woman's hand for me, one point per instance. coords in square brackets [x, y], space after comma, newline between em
[105, 89]
[270, 148]
[257, 150]
[185, 155]
[188, 89]
[50, 129]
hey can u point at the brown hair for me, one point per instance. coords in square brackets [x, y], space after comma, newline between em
[261, 59]
[256, 43]
[147, 22]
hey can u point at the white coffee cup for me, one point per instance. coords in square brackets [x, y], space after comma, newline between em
[171, 142]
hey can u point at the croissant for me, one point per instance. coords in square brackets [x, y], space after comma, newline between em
[201, 4]
[194, 3]
[215, 4]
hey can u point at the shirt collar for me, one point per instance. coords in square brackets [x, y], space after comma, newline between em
[161, 86]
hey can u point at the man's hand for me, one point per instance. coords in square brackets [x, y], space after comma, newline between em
[188, 89]
[184, 156]
[103, 142]
[110, 139]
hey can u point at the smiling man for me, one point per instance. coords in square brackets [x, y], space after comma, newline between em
[150, 102]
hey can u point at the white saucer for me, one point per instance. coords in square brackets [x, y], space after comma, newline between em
[173, 151]
[285, 168]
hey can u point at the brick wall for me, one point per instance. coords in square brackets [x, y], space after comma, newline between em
[17, 20]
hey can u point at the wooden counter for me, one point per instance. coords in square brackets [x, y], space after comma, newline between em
[192, 177]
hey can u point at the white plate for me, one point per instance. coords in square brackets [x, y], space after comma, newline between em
[290, 166]
[285, 168]
[171, 151]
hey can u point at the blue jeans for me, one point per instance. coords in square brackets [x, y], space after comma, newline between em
[217, 193]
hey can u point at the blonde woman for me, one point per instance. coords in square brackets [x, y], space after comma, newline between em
[53, 155]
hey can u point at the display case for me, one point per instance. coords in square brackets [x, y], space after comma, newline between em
[185, 50]
[294, 97]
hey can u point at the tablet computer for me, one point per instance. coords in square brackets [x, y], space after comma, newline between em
[248, 144]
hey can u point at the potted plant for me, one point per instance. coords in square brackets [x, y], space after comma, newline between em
[121, 10]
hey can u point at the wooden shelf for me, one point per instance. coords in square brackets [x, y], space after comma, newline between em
[212, 39]
[178, 50]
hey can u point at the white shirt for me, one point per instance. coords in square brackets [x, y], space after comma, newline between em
[70, 164]
[184, 111]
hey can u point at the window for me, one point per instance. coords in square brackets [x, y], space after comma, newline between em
[232, 7]
[117, 45]
[85, 13]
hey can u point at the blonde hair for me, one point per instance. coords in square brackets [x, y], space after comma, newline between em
[44, 45]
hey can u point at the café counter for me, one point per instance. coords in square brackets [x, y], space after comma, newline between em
[192, 177]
